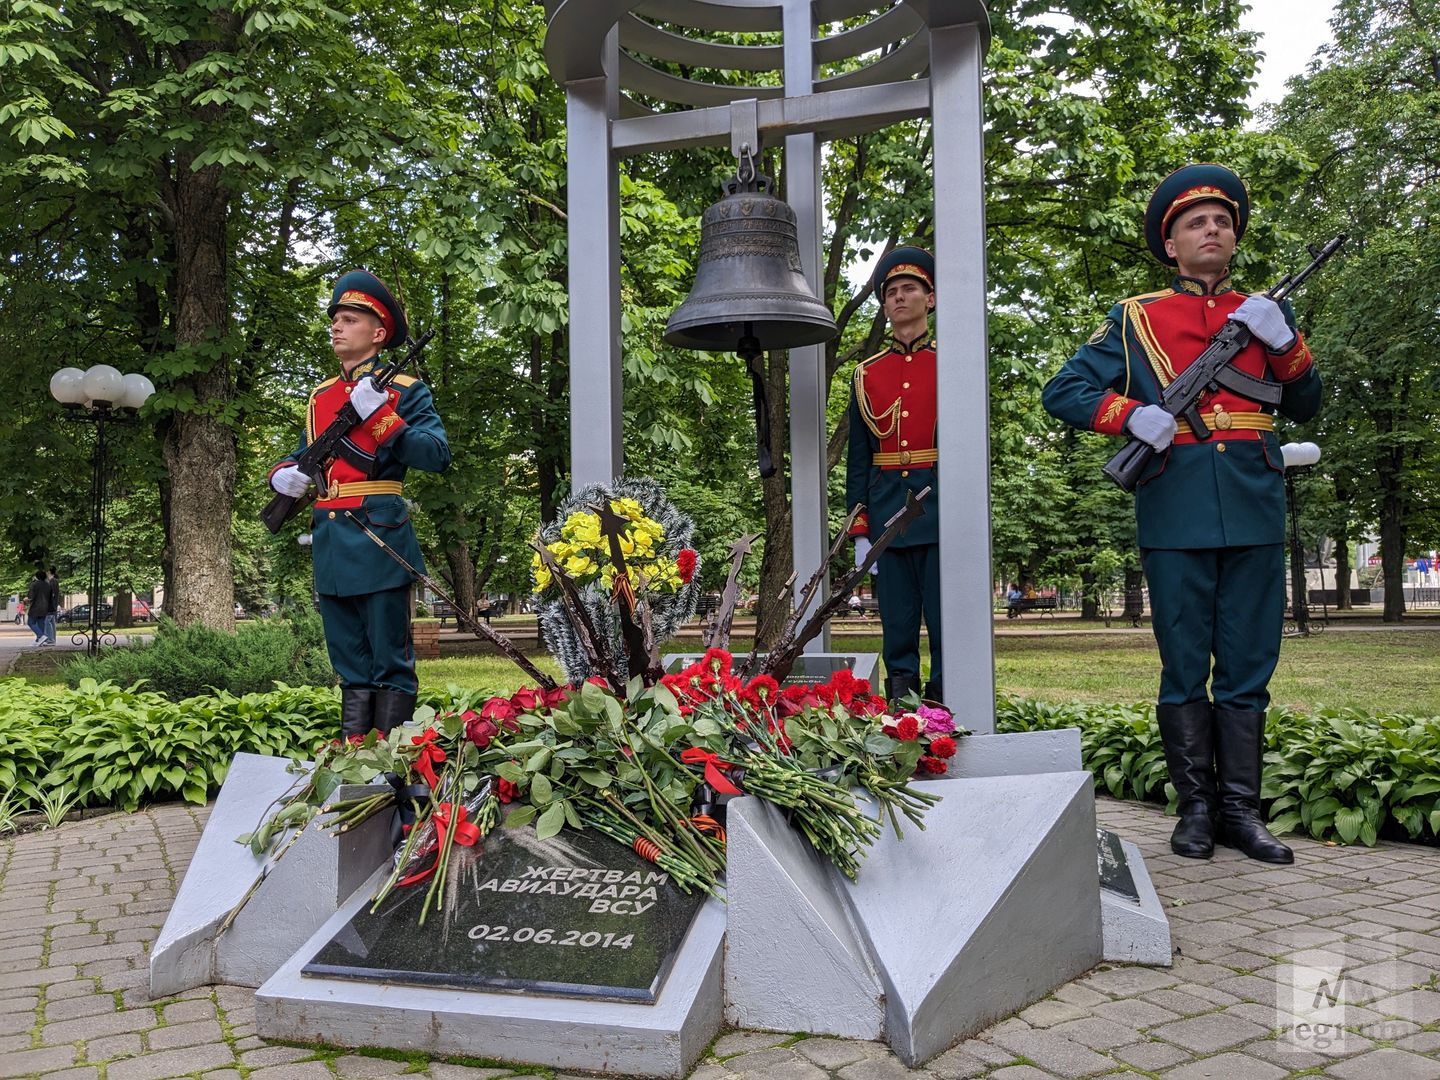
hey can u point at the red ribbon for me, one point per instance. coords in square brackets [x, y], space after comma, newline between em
[693, 755]
[450, 823]
[430, 756]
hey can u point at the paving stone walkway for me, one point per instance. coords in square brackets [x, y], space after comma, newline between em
[1258, 947]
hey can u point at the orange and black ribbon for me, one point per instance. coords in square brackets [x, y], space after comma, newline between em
[694, 755]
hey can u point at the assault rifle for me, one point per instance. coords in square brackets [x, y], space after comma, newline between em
[316, 458]
[1210, 371]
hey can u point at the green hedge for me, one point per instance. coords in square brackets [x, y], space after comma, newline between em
[183, 661]
[1337, 774]
[127, 747]
[1333, 774]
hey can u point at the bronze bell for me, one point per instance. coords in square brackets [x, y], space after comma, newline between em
[750, 292]
[749, 282]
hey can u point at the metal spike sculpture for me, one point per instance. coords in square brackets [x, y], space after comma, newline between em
[719, 637]
[635, 629]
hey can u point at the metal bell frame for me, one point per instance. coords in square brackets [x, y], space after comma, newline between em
[916, 58]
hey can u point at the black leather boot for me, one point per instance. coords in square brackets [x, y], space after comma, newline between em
[1238, 748]
[356, 710]
[934, 693]
[393, 708]
[1187, 733]
[899, 686]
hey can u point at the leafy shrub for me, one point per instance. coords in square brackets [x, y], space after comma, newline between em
[127, 747]
[183, 661]
[1338, 774]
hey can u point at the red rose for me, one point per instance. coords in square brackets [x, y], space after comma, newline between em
[908, 728]
[552, 698]
[942, 746]
[596, 680]
[480, 731]
[890, 729]
[505, 789]
[526, 699]
[685, 564]
[932, 765]
[498, 709]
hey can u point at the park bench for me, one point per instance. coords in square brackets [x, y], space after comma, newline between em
[446, 611]
[1045, 605]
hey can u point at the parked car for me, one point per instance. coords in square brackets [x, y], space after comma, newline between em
[140, 611]
[80, 613]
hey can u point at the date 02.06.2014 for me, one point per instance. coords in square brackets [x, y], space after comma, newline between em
[521, 934]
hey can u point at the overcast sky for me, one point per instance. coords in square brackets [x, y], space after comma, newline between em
[1291, 32]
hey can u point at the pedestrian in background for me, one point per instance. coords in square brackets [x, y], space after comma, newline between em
[53, 580]
[37, 606]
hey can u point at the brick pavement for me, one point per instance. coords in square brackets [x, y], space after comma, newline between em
[80, 905]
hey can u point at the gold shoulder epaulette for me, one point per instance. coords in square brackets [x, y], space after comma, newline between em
[1158, 294]
[403, 381]
[883, 352]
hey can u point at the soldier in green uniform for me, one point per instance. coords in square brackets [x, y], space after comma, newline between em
[1210, 512]
[892, 451]
[364, 594]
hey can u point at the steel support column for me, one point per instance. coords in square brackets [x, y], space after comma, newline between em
[963, 388]
[593, 224]
[810, 532]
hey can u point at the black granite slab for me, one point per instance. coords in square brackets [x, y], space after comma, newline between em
[1115, 873]
[576, 915]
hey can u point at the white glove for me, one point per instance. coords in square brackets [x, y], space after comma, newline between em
[862, 549]
[366, 397]
[1152, 424]
[290, 481]
[1266, 322]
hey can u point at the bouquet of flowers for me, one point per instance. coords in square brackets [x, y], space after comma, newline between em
[660, 567]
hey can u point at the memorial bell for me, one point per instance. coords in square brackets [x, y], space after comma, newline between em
[750, 293]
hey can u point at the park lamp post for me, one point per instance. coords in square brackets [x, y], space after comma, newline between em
[99, 396]
[1298, 457]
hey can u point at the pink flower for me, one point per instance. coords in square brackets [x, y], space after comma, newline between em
[937, 721]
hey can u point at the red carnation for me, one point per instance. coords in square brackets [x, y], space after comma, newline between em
[716, 660]
[685, 564]
[932, 765]
[908, 728]
[765, 687]
[942, 746]
[526, 699]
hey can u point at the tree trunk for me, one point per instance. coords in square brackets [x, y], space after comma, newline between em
[1392, 556]
[462, 574]
[124, 609]
[199, 446]
[1089, 602]
[779, 559]
[1134, 593]
[1342, 571]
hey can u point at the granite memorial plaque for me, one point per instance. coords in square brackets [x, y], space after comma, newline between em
[578, 915]
[810, 669]
[1115, 867]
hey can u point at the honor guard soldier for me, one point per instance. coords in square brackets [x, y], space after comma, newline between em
[364, 594]
[892, 451]
[1210, 512]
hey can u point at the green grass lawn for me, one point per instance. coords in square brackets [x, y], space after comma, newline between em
[1375, 670]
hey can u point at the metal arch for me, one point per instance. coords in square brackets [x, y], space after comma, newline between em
[893, 26]
[751, 16]
[909, 59]
[642, 78]
[638, 35]
[576, 27]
